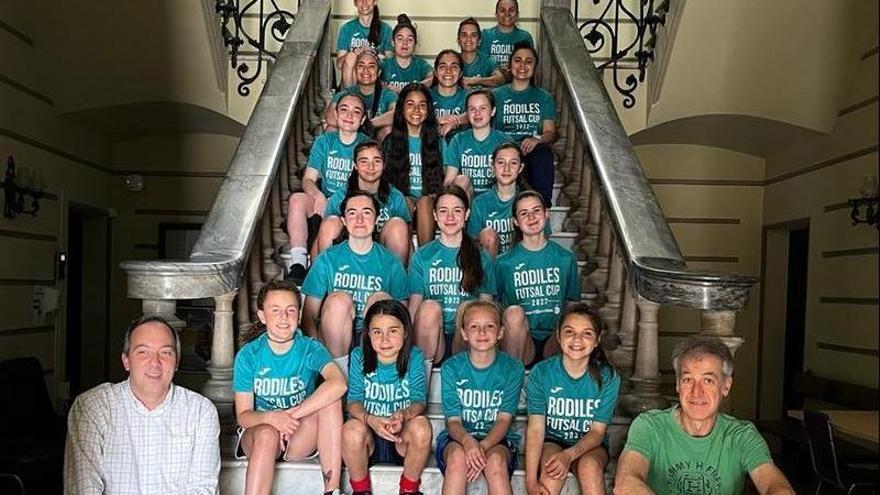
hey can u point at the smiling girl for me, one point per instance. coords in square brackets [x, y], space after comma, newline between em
[448, 93]
[443, 274]
[478, 70]
[378, 111]
[386, 399]
[535, 281]
[571, 399]
[498, 42]
[365, 32]
[403, 68]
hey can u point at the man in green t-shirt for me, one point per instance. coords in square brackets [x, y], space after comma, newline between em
[693, 448]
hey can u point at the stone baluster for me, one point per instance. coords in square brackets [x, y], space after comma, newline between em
[581, 173]
[294, 183]
[599, 276]
[646, 377]
[279, 238]
[610, 311]
[271, 270]
[573, 173]
[721, 325]
[218, 388]
[243, 308]
[302, 146]
[623, 354]
[591, 239]
[326, 68]
[254, 276]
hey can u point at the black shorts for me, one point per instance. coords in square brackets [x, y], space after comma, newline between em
[444, 440]
[384, 452]
[447, 352]
[540, 344]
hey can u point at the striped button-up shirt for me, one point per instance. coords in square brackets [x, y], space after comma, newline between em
[117, 446]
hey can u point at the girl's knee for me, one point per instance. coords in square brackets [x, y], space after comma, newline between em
[419, 432]
[355, 433]
[514, 316]
[455, 459]
[496, 462]
[337, 302]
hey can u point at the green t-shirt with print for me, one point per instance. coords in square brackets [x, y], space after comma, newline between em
[384, 391]
[332, 159]
[394, 206]
[499, 45]
[415, 164]
[353, 35]
[482, 66]
[473, 157]
[716, 464]
[397, 77]
[489, 211]
[522, 113]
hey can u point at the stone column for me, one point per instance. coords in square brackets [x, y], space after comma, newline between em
[219, 387]
[623, 355]
[610, 311]
[646, 379]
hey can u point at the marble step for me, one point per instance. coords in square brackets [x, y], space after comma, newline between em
[564, 239]
[304, 477]
[557, 217]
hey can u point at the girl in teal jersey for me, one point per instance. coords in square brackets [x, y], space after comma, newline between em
[498, 42]
[365, 32]
[379, 101]
[571, 399]
[491, 219]
[350, 276]
[536, 280]
[278, 408]
[329, 161]
[448, 93]
[479, 70]
[481, 388]
[444, 273]
[528, 114]
[386, 401]
[414, 156]
[470, 151]
[403, 68]
[393, 220]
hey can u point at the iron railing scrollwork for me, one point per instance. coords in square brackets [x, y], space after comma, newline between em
[273, 22]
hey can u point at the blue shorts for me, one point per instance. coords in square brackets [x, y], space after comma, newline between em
[384, 452]
[443, 441]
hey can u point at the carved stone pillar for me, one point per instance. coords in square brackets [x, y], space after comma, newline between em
[623, 354]
[646, 378]
[243, 309]
[599, 277]
[218, 388]
[271, 270]
[610, 311]
[279, 238]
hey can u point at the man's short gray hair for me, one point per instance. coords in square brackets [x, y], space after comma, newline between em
[126, 340]
[696, 346]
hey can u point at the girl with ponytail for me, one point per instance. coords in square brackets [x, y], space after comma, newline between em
[443, 274]
[366, 31]
[561, 436]
[403, 68]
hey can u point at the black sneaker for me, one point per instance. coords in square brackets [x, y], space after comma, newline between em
[295, 274]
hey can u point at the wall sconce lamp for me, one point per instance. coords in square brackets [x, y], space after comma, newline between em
[869, 201]
[22, 191]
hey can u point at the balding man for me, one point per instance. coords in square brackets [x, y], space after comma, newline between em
[144, 435]
[692, 448]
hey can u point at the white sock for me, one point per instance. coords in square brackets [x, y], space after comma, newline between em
[299, 255]
[342, 362]
[429, 364]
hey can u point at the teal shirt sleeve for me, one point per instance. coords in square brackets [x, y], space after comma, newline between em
[489, 286]
[452, 152]
[318, 278]
[475, 221]
[318, 356]
[397, 206]
[356, 376]
[334, 204]
[528, 38]
[318, 154]
[243, 371]
[344, 39]
[424, 68]
[608, 396]
[448, 397]
[548, 107]
[387, 100]
[573, 285]
[513, 387]
[416, 276]
[385, 35]
[642, 437]
[397, 285]
[536, 394]
[418, 382]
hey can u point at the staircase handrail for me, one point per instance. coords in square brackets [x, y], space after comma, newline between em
[219, 255]
[652, 255]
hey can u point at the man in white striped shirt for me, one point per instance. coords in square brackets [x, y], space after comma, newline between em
[144, 435]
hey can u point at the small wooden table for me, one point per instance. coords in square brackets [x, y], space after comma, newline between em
[861, 427]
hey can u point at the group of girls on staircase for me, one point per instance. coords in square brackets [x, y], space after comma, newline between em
[460, 156]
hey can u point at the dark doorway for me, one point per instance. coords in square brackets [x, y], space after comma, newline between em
[87, 282]
[795, 312]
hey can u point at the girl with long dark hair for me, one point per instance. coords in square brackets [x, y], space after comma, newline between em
[404, 68]
[443, 274]
[479, 70]
[386, 400]
[448, 93]
[528, 114]
[365, 32]
[571, 398]
[536, 279]
[392, 222]
[414, 156]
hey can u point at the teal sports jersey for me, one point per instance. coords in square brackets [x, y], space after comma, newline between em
[358, 275]
[353, 35]
[473, 158]
[415, 164]
[522, 113]
[476, 396]
[333, 160]
[449, 105]
[499, 45]
[397, 77]
[540, 282]
[434, 274]
[570, 405]
[395, 206]
[489, 211]
[482, 66]
[716, 464]
[383, 391]
[279, 381]
[387, 99]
